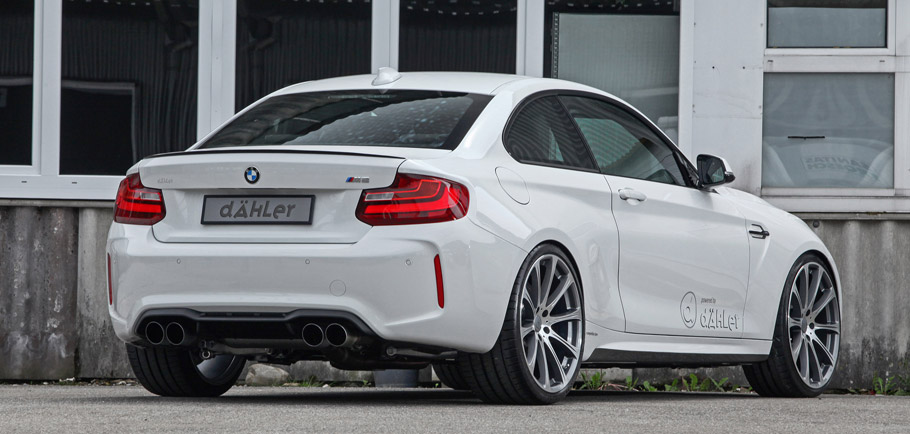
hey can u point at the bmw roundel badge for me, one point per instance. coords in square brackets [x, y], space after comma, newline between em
[251, 175]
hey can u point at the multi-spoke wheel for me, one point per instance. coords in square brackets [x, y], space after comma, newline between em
[538, 353]
[177, 371]
[806, 337]
[551, 325]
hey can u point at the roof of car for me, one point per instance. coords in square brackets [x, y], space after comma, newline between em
[469, 82]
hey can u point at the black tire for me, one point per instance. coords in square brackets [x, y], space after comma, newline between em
[450, 375]
[779, 375]
[175, 371]
[501, 375]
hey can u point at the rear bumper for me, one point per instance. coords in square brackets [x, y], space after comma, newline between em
[387, 280]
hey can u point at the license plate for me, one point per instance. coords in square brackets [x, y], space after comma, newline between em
[261, 210]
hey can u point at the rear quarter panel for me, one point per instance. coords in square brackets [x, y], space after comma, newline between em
[567, 207]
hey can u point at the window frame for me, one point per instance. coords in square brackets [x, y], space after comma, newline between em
[42, 179]
[890, 60]
[685, 166]
[216, 70]
[890, 40]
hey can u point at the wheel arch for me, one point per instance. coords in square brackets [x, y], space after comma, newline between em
[829, 262]
[571, 258]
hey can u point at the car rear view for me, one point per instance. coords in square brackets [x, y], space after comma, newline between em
[306, 228]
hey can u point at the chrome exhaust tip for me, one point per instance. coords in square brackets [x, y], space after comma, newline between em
[312, 335]
[337, 335]
[175, 334]
[154, 333]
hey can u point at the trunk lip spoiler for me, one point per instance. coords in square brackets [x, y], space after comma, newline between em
[265, 151]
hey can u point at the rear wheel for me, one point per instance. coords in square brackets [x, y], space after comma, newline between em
[450, 375]
[176, 371]
[806, 336]
[537, 356]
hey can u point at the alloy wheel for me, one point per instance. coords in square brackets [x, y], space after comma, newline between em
[551, 323]
[216, 369]
[814, 324]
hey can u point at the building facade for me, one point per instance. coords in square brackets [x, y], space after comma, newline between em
[809, 101]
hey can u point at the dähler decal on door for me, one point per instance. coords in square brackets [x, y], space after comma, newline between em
[703, 314]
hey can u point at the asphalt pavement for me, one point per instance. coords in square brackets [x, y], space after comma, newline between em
[70, 409]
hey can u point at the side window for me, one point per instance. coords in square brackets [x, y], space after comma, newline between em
[543, 133]
[622, 144]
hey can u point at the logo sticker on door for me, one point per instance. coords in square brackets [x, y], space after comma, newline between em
[709, 317]
[688, 309]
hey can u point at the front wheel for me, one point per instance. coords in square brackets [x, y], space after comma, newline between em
[176, 371]
[537, 356]
[806, 336]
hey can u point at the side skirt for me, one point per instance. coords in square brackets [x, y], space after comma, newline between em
[606, 348]
[641, 359]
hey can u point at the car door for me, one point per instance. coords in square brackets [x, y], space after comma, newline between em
[684, 253]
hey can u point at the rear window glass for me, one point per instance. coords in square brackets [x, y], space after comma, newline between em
[399, 118]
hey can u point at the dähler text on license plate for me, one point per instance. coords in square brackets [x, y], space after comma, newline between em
[261, 210]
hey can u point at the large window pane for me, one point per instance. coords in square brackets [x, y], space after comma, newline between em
[828, 130]
[632, 52]
[129, 82]
[827, 23]
[17, 31]
[457, 35]
[281, 42]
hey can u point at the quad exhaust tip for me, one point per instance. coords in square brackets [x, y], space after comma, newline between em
[337, 335]
[154, 333]
[175, 333]
[312, 335]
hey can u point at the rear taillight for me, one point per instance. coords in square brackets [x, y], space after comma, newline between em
[136, 204]
[413, 199]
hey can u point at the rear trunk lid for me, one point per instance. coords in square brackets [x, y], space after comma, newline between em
[270, 203]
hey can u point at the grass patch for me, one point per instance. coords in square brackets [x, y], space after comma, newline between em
[689, 383]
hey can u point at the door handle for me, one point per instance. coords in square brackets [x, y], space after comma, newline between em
[628, 193]
[756, 231]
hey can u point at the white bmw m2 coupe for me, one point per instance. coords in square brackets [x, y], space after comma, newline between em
[507, 230]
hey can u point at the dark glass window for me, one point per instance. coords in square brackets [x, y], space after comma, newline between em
[282, 42]
[129, 82]
[457, 35]
[396, 118]
[542, 133]
[622, 144]
[17, 31]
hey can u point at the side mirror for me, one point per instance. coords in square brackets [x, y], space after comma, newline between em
[713, 171]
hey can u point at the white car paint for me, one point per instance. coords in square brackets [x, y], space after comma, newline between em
[636, 262]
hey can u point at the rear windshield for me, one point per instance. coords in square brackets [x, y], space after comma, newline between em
[401, 118]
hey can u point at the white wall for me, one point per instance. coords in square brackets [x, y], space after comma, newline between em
[721, 56]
